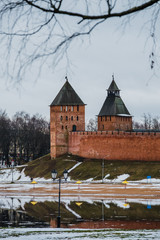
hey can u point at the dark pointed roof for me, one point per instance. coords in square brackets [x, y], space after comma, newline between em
[113, 86]
[113, 104]
[67, 96]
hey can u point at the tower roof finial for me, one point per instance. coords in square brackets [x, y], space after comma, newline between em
[113, 85]
[66, 78]
[113, 77]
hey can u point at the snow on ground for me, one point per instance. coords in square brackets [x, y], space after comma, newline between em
[7, 175]
[76, 165]
[152, 180]
[121, 178]
[76, 234]
[89, 180]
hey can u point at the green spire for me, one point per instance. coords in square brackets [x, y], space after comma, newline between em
[113, 86]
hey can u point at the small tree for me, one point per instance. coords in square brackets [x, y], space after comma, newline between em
[156, 123]
[149, 123]
[92, 125]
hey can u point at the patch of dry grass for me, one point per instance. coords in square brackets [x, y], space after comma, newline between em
[91, 168]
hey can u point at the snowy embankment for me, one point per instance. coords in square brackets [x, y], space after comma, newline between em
[6, 175]
[76, 234]
[9, 174]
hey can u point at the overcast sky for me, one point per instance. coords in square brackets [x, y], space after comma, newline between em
[92, 63]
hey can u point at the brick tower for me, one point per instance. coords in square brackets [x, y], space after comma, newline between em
[114, 114]
[67, 113]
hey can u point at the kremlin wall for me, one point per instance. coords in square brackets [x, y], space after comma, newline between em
[115, 145]
[115, 138]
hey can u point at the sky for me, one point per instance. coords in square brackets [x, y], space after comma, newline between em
[109, 50]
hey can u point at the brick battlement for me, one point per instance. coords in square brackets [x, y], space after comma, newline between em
[115, 133]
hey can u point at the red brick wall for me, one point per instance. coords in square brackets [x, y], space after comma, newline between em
[107, 123]
[115, 145]
[123, 224]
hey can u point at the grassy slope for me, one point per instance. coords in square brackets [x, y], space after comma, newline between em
[43, 166]
[136, 170]
[89, 168]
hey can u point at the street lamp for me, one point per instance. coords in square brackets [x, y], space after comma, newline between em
[65, 174]
[54, 175]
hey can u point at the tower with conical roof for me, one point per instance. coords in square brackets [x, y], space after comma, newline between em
[114, 115]
[67, 113]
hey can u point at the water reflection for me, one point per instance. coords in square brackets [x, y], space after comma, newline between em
[126, 214]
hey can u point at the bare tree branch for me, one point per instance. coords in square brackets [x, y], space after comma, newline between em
[96, 17]
[39, 29]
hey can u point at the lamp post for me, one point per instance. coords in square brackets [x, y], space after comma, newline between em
[12, 166]
[54, 175]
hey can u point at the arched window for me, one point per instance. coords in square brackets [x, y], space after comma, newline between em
[61, 118]
[62, 127]
[72, 118]
[65, 127]
[72, 108]
[77, 118]
[66, 118]
[61, 108]
[66, 108]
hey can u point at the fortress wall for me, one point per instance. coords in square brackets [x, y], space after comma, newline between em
[116, 145]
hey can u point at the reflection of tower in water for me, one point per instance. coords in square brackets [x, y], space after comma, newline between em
[12, 215]
[15, 217]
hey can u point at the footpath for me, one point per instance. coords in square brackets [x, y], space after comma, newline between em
[97, 191]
